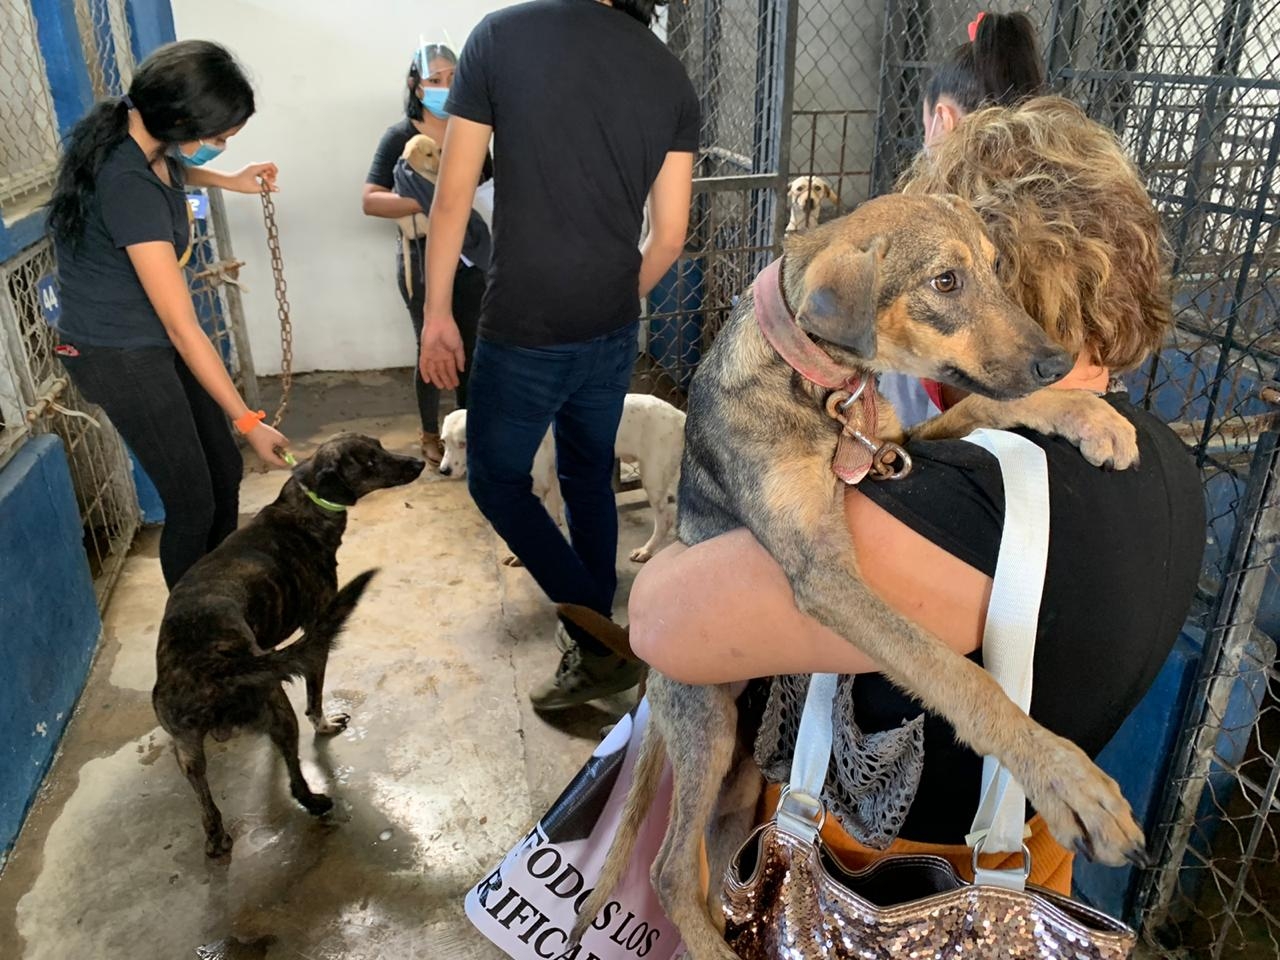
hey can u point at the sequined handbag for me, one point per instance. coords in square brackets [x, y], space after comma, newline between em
[786, 895]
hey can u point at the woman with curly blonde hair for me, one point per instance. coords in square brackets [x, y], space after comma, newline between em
[1081, 249]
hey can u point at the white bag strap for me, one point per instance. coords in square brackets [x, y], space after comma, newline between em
[801, 811]
[1009, 641]
[1008, 648]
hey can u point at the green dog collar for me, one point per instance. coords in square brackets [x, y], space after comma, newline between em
[315, 498]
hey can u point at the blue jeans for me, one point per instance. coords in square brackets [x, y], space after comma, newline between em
[515, 394]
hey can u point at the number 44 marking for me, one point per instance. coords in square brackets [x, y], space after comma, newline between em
[47, 296]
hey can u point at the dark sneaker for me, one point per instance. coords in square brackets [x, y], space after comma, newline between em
[583, 677]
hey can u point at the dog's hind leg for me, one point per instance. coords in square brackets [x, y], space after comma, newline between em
[191, 761]
[700, 763]
[735, 815]
[657, 493]
[324, 726]
[282, 727]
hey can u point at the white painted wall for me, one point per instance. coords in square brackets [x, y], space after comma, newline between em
[328, 78]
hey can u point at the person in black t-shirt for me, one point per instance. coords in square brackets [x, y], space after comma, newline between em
[1081, 247]
[130, 339]
[590, 114]
[427, 86]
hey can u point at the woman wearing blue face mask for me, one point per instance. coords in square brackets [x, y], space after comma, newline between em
[427, 88]
[129, 335]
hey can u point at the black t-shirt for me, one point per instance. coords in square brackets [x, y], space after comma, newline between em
[103, 302]
[585, 104]
[391, 147]
[1124, 556]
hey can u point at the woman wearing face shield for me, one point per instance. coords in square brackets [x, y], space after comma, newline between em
[427, 85]
[130, 339]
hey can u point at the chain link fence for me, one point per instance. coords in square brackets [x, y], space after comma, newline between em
[214, 274]
[837, 84]
[28, 128]
[107, 45]
[738, 54]
[100, 468]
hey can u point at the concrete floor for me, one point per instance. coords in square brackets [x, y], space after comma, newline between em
[443, 767]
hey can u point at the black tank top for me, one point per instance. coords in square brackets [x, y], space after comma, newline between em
[1124, 556]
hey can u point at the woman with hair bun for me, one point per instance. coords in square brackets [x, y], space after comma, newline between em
[999, 66]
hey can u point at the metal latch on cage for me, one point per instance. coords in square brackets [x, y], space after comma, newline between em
[47, 403]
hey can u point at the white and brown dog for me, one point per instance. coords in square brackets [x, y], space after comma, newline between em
[422, 154]
[650, 435]
[806, 196]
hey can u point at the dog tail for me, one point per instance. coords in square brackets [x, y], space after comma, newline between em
[314, 645]
[612, 635]
[646, 777]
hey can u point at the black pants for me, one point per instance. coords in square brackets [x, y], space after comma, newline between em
[468, 292]
[179, 435]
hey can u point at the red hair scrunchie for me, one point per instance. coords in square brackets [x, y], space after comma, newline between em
[973, 27]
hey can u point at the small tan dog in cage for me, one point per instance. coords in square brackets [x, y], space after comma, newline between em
[422, 154]
[807, 195]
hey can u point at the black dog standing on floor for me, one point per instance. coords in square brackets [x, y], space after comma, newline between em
[217, 666]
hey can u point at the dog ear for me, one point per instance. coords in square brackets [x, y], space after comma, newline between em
[328, 483]
[841, 287]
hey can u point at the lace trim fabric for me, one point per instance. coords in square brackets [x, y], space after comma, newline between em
[873, 777]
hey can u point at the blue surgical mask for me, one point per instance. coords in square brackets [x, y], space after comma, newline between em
[433, 98]
[204, 153]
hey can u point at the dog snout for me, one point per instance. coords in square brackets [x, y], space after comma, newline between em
[399, 470]
[446, 470]
[808, 203]
[413, 468]
[1051, 366]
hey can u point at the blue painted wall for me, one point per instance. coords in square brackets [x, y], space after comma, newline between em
[151, 25]
[50, 621]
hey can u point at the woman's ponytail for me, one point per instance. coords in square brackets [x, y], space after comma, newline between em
[1000, 66]
[96, 135]
[184, 91]
[1006, 60]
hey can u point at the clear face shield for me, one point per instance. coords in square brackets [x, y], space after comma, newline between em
[434, 64]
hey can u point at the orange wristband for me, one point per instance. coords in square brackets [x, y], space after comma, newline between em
[250, 420]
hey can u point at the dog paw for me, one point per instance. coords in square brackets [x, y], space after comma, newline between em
[1105, 438]
[1082, 806]
[218, 845]
[329, 726]
[1110, 444]
[316, 804]
[641, 555]
[511, 560]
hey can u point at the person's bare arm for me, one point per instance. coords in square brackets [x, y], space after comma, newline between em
[669, 200]
[378, 201]
[466, 144]
[166, 288]
[723, 611]
[245, 180]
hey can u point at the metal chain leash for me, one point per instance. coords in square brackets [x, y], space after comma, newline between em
[282, 302]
